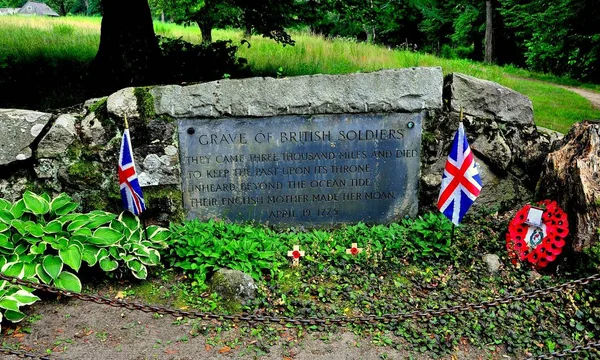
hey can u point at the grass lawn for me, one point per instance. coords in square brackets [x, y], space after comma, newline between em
[77, 39]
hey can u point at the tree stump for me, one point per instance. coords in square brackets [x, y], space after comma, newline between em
[571, 176]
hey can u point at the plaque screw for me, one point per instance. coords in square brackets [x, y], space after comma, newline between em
[410, 125]
[191, 131]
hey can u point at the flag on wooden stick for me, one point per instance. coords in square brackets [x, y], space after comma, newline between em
[461, 183]
[131, 192]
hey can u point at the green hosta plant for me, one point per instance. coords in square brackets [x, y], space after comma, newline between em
[12, 297]
[42, 239]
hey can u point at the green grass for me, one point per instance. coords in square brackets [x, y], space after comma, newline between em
[77, 38]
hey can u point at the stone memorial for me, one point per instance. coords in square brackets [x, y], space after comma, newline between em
[308, 169]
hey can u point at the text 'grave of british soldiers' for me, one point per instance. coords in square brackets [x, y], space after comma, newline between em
[308, 169]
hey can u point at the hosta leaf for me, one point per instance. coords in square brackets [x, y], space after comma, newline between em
[68, 281]
[52, 265]
[63, 219]
[42, 274]
[5, 204]
[3, 227]
[71, 256]
[117, 225]
[9, 303]
[6, 216]
[35, 203]
[62, 204]
[131, 221]
[84, 232]
[18, 209]
[134, 265]
[14, 316]
[25, 297]
[20, 249]
[53, 227]
[34, 229]
[60, 243]
[136, 236]
[76, 224]
[5, 242]
[141, 274]
[105, 236]
[14, 269]
[29, 270]
[90, 254]
[99, 218]
[158, 234]
[115, 252]
[107, 264]
[19, 225]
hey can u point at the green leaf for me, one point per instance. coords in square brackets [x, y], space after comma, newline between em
[34, 229]
[5, 242]
[52, 265]
[14, 269]
[105, 236]
[25, 297]
[158, 234]
[18, 209]
[107, 264]
[134, 265]
[6, 216]
[71, 256]
[3, 227]
[77, 224]
[53, 227]
[90, 254]
[42, 274]
[35, 203]
[9, 303]
[68, 281]
[62, 204]
[98, 218]
[19, 225]
[14, 316]
[131, 221]
[142, 274]
[59, 244]
[84, 232]
[153, 258]
[5, 204]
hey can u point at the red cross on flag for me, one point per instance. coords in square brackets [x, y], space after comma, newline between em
[461, 183]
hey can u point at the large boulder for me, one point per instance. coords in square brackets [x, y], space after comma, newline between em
[21, 128]
[500, 129]
[233, 285]
[571, 176]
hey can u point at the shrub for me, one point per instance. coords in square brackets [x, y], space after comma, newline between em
[40, 238]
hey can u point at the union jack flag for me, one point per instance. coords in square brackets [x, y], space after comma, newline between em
[461, 183]
[131, 192]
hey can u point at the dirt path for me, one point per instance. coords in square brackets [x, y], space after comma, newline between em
[73, 329]
[592, 96]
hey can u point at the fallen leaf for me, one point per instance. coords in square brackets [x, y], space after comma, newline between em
[18, 335]
[171, 351]
[207, 347]
[224, 349]
[88, 333]
[120, 295]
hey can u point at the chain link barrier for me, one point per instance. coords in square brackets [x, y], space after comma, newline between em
[328, 321]
[24, 354]
[567, 352]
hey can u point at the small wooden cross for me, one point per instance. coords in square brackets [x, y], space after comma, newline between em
[354, 250]
[295, 254]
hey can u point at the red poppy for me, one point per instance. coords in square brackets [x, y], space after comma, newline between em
[296, 254]
[539, 246]
[354, 251]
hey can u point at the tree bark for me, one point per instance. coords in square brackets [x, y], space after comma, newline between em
[489, 33]
[206, 31]
[128, 54]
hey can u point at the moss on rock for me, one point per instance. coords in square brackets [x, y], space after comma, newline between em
[145, 104]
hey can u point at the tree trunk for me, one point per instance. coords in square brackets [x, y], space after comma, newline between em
[128, 54]
[489, 33]
[247, 30]
[162, 16]
[87, 6]
[206, 31]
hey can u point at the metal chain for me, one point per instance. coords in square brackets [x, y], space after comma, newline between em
[24, 354]
[252, 318]
[370, 319]
[567, 352]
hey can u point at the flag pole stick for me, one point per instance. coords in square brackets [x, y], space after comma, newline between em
[140, 216]
[452, 234]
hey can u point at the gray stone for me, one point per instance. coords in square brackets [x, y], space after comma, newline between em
[402, 90]
[123, 103]
[494, 148]
[233, 285]
[493, 262]
[488, 100]
[57, 140]
[21, 127]
[92, 130]
[550, 136]
[46, 168]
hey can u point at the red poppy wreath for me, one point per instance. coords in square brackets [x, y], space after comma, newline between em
[539, 245]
